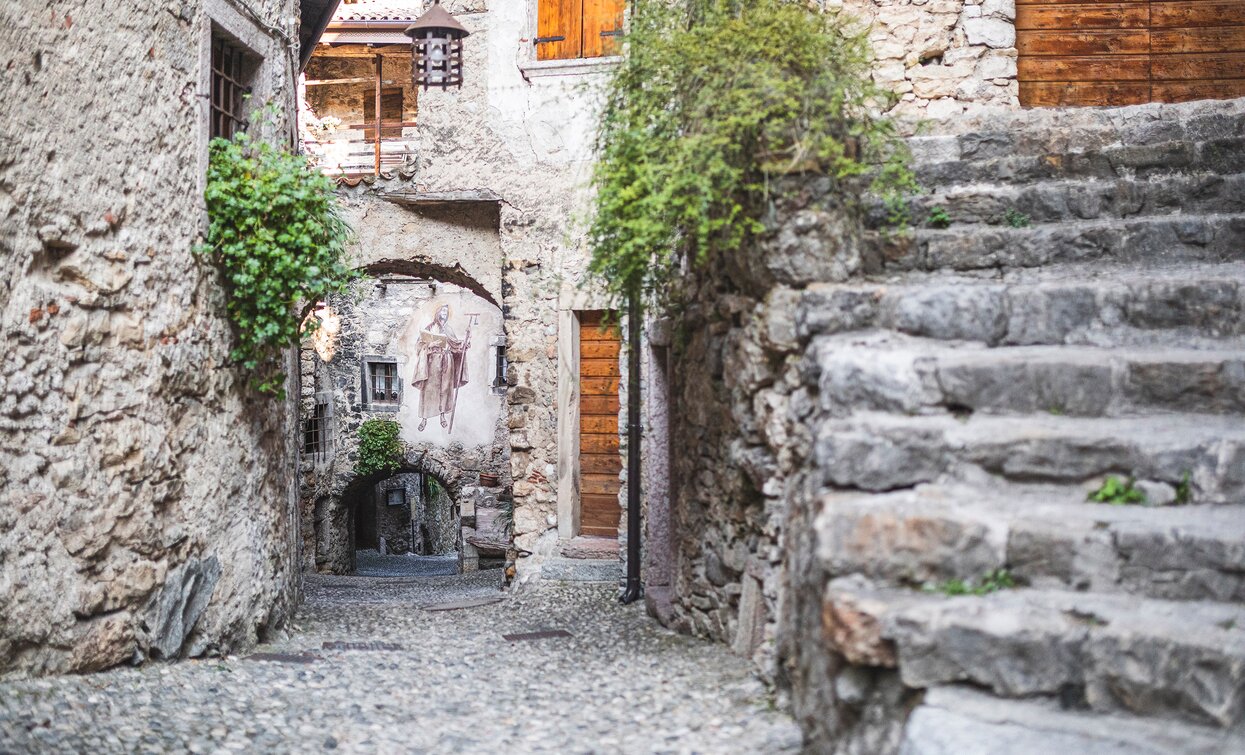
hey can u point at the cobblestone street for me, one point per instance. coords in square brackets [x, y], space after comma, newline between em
[421, 665]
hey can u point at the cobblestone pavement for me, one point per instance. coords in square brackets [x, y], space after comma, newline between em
[372, 564]
[421, 665]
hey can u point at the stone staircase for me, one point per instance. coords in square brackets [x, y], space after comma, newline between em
[1081, 316]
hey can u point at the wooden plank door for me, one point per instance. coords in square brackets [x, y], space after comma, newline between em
[1197, 49]
[1127, 52]
[1091, 52]
[599, 459]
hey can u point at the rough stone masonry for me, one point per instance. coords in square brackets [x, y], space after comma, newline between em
[146, 494]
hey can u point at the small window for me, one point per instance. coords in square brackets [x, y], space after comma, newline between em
[395, 497]
[316, 438]
[232, 72]
[568, 29]
[382, 388]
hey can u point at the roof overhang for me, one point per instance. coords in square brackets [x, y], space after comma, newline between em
[314, 18]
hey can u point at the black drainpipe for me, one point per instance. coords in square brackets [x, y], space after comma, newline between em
[633, 591]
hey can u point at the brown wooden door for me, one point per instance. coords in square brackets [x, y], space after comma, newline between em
[1127, 52]
[599, 459]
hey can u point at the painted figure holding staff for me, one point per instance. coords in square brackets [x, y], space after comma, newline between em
[440, 369]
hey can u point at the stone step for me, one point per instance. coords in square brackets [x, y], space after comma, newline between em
[958, 720]
[1071, 201]
[887, 371]
[1069, 305]
[1220, 155]
[1151, 240]
[874, 451]
[1041, 132]
[1110, 653]
[1046, 538]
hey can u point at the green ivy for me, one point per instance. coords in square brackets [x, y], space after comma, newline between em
[713, 99]
[1118, 492]
[380, 450]
[991, 581]
[278, 240]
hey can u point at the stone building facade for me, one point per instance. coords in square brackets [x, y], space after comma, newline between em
[482, 191]
[147, 495]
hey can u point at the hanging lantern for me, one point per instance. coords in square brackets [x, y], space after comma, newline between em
[437, 49]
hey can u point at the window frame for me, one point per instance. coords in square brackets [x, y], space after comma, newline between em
[580, 60]
[366, 399]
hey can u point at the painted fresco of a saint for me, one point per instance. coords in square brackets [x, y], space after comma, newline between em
[440, 369]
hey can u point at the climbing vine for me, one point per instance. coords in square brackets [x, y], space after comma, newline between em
[713, 99]
[379, 447]
[276, 236]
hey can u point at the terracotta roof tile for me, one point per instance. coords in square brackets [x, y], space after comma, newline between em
[379, 10]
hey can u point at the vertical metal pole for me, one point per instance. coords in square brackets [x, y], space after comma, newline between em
[379, 69]
[633, 591]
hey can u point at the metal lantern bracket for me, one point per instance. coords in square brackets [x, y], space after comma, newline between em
[437, 49]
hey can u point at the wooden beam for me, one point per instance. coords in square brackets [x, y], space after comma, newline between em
[356, 80]
[380, 64]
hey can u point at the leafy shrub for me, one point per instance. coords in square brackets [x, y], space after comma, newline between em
[380, 450]
[1118, 492]
[713, 99]
[278, 240]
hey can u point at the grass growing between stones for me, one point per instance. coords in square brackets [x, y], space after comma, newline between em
[1118, 492]
[938, 218]
[991, 581]
[1016, 219]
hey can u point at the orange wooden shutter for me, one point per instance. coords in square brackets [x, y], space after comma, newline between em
[603, 17]
[559, 18]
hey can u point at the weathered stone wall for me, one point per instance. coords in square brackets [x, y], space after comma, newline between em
[146, 493]
[942, 57]
[735, 386]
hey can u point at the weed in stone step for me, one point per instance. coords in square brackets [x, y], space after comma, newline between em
[1184, 491]
[1118, 492]
[1016, 219]
[938, 218]
[1228, 624]
[991, 581]
[1056, 411]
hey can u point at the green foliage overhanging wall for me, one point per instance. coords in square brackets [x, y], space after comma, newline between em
[276, 235]
[713, 98]
[380, 449]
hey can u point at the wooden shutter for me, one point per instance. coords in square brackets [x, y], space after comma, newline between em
[559, 19]
[391, 105]
[603, 26]
[599, 459]
[1126, 52]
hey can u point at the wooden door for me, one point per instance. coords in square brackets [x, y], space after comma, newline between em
[1128, 52]
[599, 459]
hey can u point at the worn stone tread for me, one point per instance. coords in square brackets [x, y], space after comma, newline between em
[1145, 240]
[1108, 652]
[1050, 538]
[1071, 200]
[960, 721]
[889, 371]
[1079, 303]
[877, 451]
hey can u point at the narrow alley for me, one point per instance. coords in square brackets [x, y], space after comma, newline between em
[386, 665]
